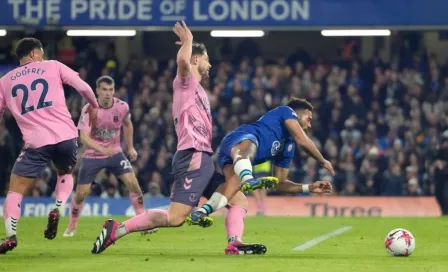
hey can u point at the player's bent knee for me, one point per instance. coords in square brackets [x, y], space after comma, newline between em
[245, 150]
[240, 154]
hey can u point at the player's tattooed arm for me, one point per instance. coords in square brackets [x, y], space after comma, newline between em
[128, 131]
[288, 187]
[185, 51]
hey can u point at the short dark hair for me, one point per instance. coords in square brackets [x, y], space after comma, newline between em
[299, 104]
[105, 79]
[26, 45]
[198, 49]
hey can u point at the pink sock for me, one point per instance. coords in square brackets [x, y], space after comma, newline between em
[235, 223]
[261, 207]
[75, 213]
[11, 212]
[64, 188]
[137, 202]
[148, 220]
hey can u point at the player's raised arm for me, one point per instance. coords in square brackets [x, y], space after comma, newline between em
[185, 51]
[288, 187]
[72, 78]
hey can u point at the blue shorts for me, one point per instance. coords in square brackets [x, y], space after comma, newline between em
[231, 140]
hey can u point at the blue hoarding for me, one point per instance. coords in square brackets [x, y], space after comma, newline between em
[221, 13]
[94, 206]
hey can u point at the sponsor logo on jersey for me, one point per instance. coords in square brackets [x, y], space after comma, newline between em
[105, 134]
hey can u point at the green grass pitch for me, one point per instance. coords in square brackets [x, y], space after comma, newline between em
[191, 248]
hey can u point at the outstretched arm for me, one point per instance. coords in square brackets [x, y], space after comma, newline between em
[288, 187]
[70, 77]
[303, 141]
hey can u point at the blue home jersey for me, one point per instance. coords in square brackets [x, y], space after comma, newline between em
[270, 135]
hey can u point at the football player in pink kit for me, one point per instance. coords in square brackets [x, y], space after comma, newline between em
[193, 168]
[34, 94]
[103, 149]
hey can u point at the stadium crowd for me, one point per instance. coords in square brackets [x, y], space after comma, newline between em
[377, 122]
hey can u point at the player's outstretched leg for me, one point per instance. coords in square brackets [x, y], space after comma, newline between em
[64, 188]
[18, 186]
[192, 171]
[150, 219]
[135, 194]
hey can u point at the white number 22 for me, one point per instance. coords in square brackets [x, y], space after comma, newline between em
[126, 164]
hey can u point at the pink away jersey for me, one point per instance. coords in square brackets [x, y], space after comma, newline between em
[108, 127]
[191, 113]
[35, 96]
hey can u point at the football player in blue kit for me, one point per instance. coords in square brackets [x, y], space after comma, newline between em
[273, 137]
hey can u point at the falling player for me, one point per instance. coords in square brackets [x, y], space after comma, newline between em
[103, 149]
[34, 94]
[273, 137]
[192, 165]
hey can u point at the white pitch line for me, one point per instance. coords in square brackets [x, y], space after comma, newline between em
[322, 238]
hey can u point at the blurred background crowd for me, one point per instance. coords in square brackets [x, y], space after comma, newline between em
[378, 121]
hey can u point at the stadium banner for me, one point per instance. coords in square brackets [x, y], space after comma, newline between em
[324, 206]
[225, 13]
[275, 206]
[94, 206]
